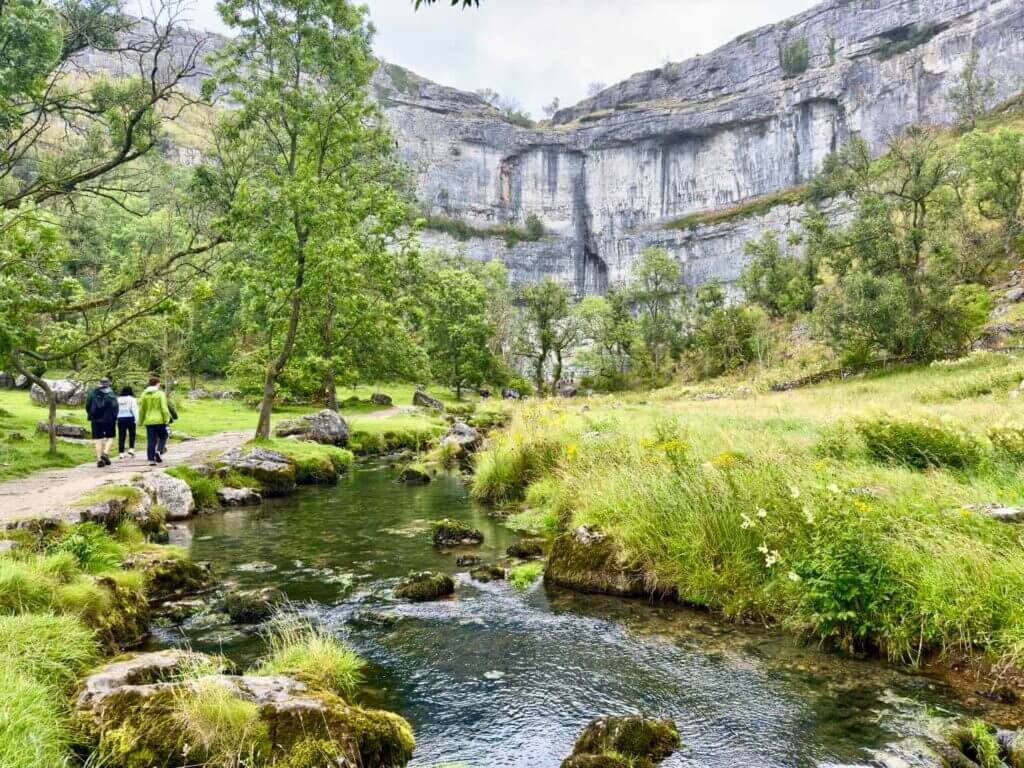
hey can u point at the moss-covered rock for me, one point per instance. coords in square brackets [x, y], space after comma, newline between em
[424, 586]
[112, 505]
[275, 472]
[125, 622]
[455, 533]
[488, 573]
[415, 474]
[168, 577]
[134, 712]
[252, 606]
[588, 560]
[526, 549]
[632, 742]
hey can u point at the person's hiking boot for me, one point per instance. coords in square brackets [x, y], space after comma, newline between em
[159, 459]
[152, 463]
[122, 456]
[106, 460]
[100, 464]
[131, 453]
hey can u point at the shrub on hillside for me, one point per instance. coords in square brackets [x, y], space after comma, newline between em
[920, 444]
[1008, 442]
[795, 58]
[837, 441]
[782, 284]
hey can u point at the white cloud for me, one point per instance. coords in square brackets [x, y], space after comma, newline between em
[534, 50]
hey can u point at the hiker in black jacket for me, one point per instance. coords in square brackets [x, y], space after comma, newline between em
[101, 408]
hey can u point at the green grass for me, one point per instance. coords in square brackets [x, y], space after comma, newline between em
[226, 729]
[34, 729]
[761, 507]
[745, 210]
[55, 650]
[18, 414]
[522, 576]
[313, 655]
[413, 431]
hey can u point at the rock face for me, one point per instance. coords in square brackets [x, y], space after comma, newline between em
[624, 742]
[130, 711]
[65, 391]
[325, 427]
[612, 172]
[588, 560]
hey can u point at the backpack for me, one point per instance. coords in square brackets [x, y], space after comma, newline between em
[101, 406]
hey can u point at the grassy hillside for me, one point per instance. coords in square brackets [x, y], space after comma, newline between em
[846, 511]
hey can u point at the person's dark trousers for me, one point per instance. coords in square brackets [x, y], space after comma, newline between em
[162, 447]
[125, 429]
[156, 434]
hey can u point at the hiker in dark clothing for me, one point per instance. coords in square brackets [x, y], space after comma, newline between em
[101, 408]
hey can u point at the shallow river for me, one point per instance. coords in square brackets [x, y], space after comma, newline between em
[494, 678]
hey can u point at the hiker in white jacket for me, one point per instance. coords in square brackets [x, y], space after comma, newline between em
[127, 418]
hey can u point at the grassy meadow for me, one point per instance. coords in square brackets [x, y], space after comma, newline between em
[844, 511]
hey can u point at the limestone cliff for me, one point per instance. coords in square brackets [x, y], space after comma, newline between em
[612, 173]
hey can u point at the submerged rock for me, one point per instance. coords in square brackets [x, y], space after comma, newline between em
[253, 606]
[527, 549]
[624, 742]
[424, 586]
[455, 533]
[588, 560]
[274, 471]
[488, 573]
[468, 561]
[131, 712]
[239, 497]
[325, 427]
[414, 474]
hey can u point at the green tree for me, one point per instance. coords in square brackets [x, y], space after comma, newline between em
[458, 328]
[971, 92]
[607, 322]
[655, 288]
[724, 337]
[548, 329]
[782, 284]
[995, 167]
[293, 157]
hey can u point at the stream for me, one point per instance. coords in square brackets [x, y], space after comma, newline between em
[495, 678]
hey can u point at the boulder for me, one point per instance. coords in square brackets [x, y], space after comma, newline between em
[172, 494]
[325, 427]
[252, 606]
[424, 400]
[567, 390]
[239, 497]
[464, 436]
[133, 504]
[455, 533]
[526, 549]
[379, 398]
[7, 380]
[487, 573]
[511, 394]
[129, 712]
[274, 471]
[467, 561]
[198, 394]
[424, 586]
[65, 391]
[16, 437]
[124, 620]
[624, 742]
[21, 381]
[999, 512]
[588, 560]
[72, 431]
[414, 474]
[170, 578]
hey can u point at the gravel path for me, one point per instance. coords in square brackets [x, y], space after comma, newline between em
[48, 493]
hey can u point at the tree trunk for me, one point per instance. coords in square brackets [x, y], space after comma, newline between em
[327, 337]
[277, 365]
[538, 375]
[558, 371]
[51, 400]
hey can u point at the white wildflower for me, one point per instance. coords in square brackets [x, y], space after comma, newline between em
[763, 549]
[762, 513]
[794, 491]
[771, 558]
[833, 488]
[747, 522]
[794, 576]
[808, 515]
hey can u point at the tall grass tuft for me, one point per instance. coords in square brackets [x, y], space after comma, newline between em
[920, 444]
[33, 730]
[311, 654]
[222, 727]
[54, 650]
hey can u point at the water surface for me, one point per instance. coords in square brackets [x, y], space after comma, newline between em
[494, 678]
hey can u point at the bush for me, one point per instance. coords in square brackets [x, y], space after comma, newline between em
[312, 655]
[838, 441]
[522, 576]
[783, 285]
[795, 58]
[919, 444]
[93, 547]
[1008, 443]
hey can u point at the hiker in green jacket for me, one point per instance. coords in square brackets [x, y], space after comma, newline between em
[154, 415]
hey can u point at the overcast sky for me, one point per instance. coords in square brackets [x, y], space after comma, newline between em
[534, 50]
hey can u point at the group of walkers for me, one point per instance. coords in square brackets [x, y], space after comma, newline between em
[119, 415]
